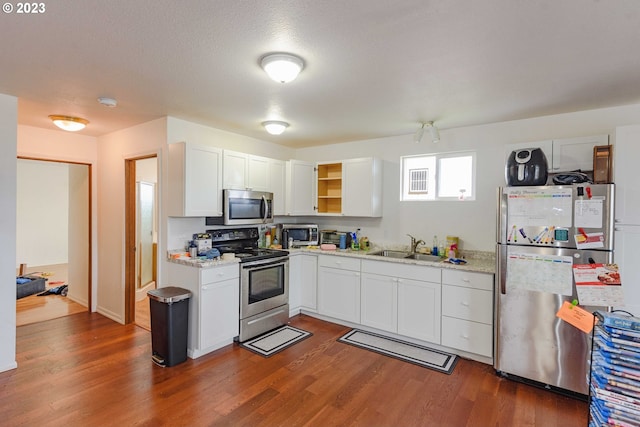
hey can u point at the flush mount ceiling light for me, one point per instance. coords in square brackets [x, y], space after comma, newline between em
[68, 123]
[433, 131]
[282, 67]
[275, 127]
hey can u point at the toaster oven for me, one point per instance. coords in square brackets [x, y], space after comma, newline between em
[333, 237]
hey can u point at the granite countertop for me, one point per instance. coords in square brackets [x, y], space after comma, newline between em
[177, 257]
[478, 261]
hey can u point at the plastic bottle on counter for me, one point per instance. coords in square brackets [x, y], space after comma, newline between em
[364, 243]
[267, 239]
[434, 248]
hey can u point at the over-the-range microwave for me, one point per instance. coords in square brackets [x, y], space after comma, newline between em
[241, 207]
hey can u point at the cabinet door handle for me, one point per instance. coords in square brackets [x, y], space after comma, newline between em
[466, 304]
[464, 336]
[464, 279]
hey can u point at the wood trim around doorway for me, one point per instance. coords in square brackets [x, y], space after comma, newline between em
[130, 237]
[89, 222]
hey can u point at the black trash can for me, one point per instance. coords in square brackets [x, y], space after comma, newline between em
[169, 324]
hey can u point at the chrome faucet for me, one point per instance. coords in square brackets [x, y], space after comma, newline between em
[415, 243]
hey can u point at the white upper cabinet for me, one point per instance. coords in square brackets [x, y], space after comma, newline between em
[277, 185]
[258, 174]
[248, 172]
[571, 154]
[566, 154]
[350, 187]
[300, 185]
[626, 152]
[235, 166]
[195, 178]
[245, 171]
[362, 187]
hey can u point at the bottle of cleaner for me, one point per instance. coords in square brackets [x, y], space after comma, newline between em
[434, 249]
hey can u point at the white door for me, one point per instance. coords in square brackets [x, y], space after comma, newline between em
[626, 255]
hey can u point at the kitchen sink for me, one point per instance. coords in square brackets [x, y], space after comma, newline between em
[406, 255]
[391, 254]
[424, 257]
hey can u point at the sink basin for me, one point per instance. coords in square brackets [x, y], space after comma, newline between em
[406, 255]
[424, 257]
[391, 254]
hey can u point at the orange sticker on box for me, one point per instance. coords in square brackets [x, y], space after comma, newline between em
[576, 316]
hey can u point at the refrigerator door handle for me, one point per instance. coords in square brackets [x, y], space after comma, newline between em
[501, 268]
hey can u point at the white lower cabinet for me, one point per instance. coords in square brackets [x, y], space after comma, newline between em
[403, 299]
[339, 287]
[419, 310]
[214, 306]
[303, 283]
[467, 311]
[219, 320]
[379, 302]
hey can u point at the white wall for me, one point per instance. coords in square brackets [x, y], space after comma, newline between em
[8, 148]
[43, 220]
[473, 221]
[113, 149]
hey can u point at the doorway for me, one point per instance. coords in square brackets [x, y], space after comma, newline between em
[53, 233]
[141, 264]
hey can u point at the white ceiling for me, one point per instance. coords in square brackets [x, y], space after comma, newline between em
[374, 68]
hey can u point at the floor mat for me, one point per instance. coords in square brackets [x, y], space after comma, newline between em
[275, 341]
[412, 353]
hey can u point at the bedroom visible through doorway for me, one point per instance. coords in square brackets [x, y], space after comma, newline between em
[53, 237]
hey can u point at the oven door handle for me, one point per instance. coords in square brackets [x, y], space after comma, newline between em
[269, 262]
[266, 209]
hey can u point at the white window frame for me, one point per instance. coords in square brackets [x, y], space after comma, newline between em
[433, 177]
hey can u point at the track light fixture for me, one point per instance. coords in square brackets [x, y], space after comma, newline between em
[433, 132]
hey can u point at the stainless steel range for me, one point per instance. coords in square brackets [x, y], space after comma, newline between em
[264, 280]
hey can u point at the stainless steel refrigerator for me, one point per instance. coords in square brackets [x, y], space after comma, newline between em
[542, 233]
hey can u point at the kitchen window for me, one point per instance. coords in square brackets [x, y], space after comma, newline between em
[442, 176]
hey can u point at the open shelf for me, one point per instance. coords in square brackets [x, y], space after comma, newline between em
[330, 188]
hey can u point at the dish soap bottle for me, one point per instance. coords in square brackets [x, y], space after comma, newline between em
[434, 250]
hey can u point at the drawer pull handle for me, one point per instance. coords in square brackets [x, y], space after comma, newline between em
[464, 279]
[466, 337]
[466, 304]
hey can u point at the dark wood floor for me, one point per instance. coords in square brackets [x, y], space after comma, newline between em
[86, 370]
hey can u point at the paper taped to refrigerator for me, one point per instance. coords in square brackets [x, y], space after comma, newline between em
[588, 213]
[539, 206]
[542, 273]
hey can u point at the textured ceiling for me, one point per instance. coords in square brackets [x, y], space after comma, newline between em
[374, 68]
